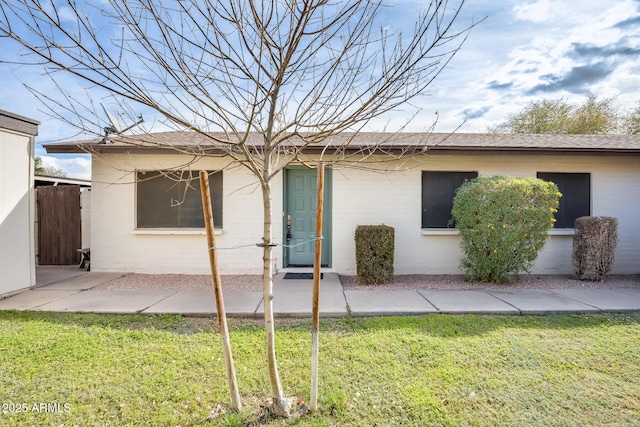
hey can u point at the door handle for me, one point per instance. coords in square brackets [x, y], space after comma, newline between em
[288, 228]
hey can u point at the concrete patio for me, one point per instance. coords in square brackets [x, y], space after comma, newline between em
[292, 298]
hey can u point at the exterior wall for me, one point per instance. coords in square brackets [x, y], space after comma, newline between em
[394, 199]
[359, 198]
[16, 212]
[117, 246]
[85, 212]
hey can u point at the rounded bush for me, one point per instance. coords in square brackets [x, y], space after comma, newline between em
[503, 222]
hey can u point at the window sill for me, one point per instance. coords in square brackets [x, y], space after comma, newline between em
[562, 232]
[440, 232]
[174, 231]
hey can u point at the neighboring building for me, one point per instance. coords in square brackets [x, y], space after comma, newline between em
[148, 221]
[17, 253]
[46, 180]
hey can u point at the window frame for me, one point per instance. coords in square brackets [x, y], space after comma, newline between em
[179, 190]
[431, 227]
[579, 206]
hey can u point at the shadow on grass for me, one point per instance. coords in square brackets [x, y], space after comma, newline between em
[441, 325]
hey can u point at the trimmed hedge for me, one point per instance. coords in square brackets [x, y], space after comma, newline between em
[503, 222]
[374, 254]
[594, 247]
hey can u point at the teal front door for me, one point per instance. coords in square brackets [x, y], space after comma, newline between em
[300, 217]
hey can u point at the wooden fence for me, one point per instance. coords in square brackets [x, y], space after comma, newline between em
[59, 225]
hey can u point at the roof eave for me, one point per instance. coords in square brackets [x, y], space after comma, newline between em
[16, 123]
[478, 150]
[451, 150]
[96, 148]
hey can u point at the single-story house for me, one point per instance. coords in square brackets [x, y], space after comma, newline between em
[17, 253]
[146, 216]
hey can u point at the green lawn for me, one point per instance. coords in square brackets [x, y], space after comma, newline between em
[434, 370]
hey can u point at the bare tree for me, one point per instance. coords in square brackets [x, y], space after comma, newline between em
[296, 73]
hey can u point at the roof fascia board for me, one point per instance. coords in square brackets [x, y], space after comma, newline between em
[436, 150]
[16, 123]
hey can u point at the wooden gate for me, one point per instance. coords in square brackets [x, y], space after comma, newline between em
[59, 224]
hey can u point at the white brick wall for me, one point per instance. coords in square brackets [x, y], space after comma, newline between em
[359, 198]
[85, 212]
[117, 247]
[366, 198]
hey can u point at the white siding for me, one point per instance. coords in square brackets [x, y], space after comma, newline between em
[16, 234]
[359, 198]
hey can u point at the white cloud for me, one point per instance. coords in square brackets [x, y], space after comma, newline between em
[67, 14]
[75, 167]
[504, 58]
[534, 12]
[550, 53]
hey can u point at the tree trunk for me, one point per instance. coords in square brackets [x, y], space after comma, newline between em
[281, 405]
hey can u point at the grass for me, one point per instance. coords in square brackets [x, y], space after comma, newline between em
[101, 370]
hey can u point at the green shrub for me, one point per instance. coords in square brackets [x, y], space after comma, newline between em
[594, 247]
[374, 254]
[503, 222]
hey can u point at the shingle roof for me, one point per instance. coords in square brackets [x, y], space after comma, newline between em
[436, 143]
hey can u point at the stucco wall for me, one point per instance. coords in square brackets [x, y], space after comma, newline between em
[16, 221]
[359, 197]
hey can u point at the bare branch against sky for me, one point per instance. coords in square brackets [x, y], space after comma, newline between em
[262, 79]
[524, 51]
[279, 68]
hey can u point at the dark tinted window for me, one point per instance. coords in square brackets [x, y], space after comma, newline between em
[438, 190]
[576, 196]
[173, 199]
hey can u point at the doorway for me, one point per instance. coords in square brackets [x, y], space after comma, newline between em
[300, 216]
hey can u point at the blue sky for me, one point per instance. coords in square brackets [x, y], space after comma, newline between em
[523, 51]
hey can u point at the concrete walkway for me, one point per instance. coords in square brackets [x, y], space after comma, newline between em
[292, 298]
